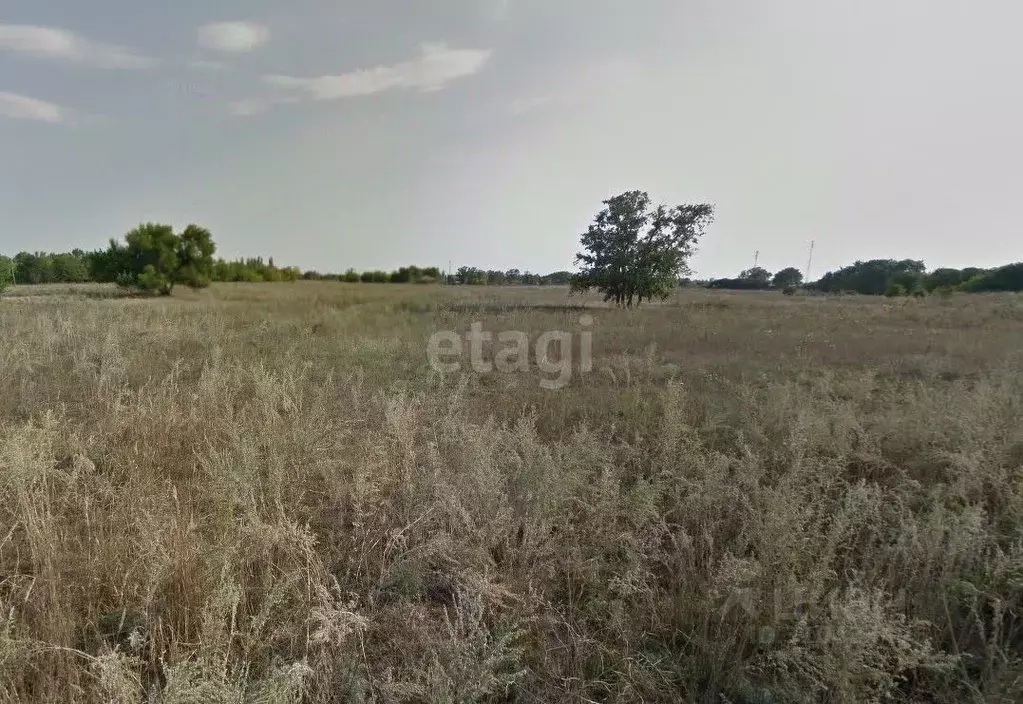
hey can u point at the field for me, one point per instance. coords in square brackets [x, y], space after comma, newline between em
[264, 493]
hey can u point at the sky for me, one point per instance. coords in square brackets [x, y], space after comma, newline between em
[332, 134]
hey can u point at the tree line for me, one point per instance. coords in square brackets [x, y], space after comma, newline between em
[887, 277]
[633, 251]
[154, 258]
[79, 266]
[465, 275]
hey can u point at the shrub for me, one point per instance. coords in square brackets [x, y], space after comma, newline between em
[6, 273]
[895, 290]
[155, 259]
[788, 277]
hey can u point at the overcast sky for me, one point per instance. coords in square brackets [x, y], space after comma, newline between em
[334, 133]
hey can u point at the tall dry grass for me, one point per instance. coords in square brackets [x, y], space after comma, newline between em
[264, 493]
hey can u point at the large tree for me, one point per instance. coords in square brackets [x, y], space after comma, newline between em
[758, 277]
[155, 259]
[634, 251]
[790, 277]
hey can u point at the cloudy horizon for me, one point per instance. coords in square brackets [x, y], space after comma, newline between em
[487, 132]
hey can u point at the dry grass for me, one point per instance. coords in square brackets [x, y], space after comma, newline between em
[263, 493]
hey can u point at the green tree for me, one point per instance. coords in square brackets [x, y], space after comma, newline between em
[758, 277]
[6, 273]
[156, 259]
[68, 268]
[634, 251]
[1006, 278]
[873, 277]
[471, 276]
[195, 250]
[943, 278]
[28, 268]
[790, 277]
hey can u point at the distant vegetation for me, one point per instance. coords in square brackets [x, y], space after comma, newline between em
[631, 252]
[888, 277]
[189, 261]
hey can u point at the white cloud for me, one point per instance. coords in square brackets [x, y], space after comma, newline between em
[436, 66]
[233, 37]
[52, 43]
[23, 107]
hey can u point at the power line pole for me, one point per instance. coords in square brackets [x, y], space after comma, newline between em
[756, 259]
[809, 261]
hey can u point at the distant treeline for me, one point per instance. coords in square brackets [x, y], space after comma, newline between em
[910, 277]
[466, 275]
[104, 266]
[889, 277]
[876, 277]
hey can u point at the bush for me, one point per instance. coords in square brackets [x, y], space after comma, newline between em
[790, 277]
[6, 273]
[895, 290]
[1006, 278]
[789, 290]
[155, 259]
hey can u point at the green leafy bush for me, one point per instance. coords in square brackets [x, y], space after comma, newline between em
[155, 259]
[6, 273]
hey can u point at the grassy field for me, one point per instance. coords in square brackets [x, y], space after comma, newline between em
[264, 493]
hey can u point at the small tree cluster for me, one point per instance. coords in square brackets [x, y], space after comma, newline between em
[155, 259]
[253, 270]
[1005, 278]
[634, 251]
[472, 276]
[909, 277]
[875, 277]
[48, 267]
[760, 279]
[108, 265]
[464, 276]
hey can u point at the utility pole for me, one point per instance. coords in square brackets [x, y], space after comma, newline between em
[809, 262]
[756, 259]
